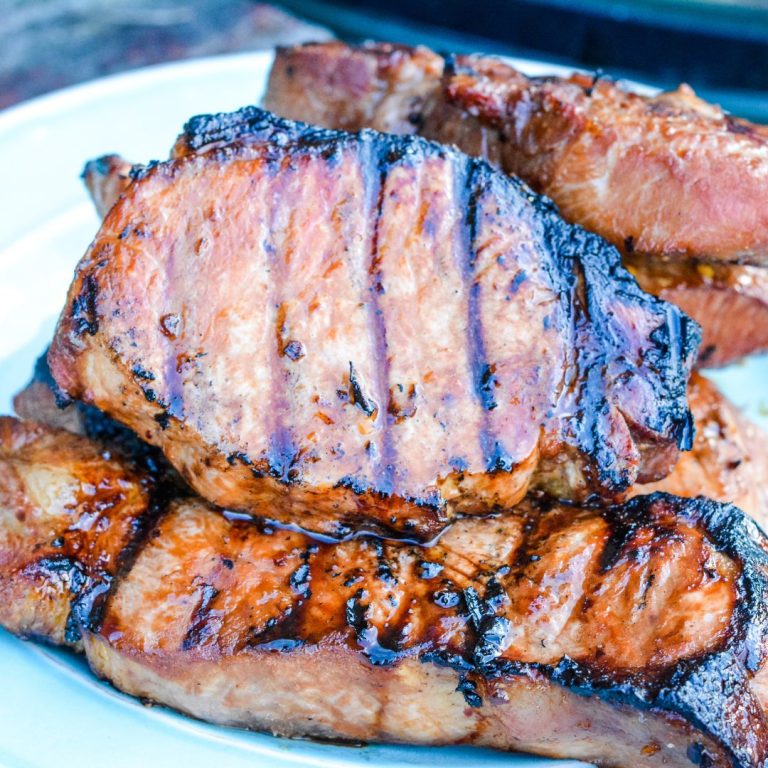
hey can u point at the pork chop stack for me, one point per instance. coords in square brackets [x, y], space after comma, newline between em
[380, 339]
[680, 187]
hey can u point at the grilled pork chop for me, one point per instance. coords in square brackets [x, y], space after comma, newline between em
[269, 310]
[728, 461]
[729, 458]
[676, 184]
[550, 629]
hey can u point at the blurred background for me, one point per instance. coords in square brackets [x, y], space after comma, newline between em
[718, 46]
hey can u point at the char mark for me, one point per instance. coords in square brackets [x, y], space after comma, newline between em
[203, 626]
[84, 313]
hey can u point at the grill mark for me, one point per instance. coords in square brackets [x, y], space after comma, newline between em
[480, 371]
[384, 468]
[200, 628]
[173, 405]
[89, 612]
[282, 451]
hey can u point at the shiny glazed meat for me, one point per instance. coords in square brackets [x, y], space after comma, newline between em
[672, 181]
[69, 515]
[548, 630]
[269, 310]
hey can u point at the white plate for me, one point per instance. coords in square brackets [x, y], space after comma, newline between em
[52, 710]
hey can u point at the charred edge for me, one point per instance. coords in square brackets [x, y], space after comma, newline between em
[674, 343]
[226, 127]
[65, 572]
[139, 172]
[99, 166]
[712, 691]
[83, 310]
[376, 179]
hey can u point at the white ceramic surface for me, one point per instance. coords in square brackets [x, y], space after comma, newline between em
[53, 712]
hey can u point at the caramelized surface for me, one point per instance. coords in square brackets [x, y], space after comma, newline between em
[729, 301]
[670, 176]
[270, 312]
[548, 629]
[728, 461]
[678, 186]
[68, 514]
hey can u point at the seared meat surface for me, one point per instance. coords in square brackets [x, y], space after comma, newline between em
[729, 301]
[69, 516]
[382, 86]
[549, 629]
[677, 185]
[728, 461]
[376, 331]
[729, 458]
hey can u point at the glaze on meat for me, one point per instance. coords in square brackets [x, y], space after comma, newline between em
[376, 332]
[549, 630]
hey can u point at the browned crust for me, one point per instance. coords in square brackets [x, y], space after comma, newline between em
[729, 458]
[635, 422]
[68, 516]
[466, 626]
[593, 617]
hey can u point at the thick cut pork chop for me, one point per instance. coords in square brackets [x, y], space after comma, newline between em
[677, 185]
[372, 331]
[549, 630]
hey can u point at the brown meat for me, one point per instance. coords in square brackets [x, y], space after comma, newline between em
[69, 514]
[729, 458]
[728, 461]
[106, 178]
[729, 301]
[269, 310]
[384, 87]
[672, 181]
[548, 630]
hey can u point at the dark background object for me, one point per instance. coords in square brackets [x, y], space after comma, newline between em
[49, 44]
[719, 47]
